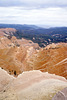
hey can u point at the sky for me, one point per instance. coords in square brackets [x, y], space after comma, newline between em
[46, 13]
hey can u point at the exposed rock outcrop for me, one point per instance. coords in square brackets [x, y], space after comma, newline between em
[6, 91]
[61, 95]
[32, 85]
[52, 59]
[7, 31]
[30, 64]
[13, 53]
[19, 55]
[28, 56]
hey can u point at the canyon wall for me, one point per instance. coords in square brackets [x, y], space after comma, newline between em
[19, 55]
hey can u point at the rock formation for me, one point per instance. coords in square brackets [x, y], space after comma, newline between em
[13, 53]
[25, 68]
[19, 55]
[7, 31]
[31, 85]
[52, 59]
[61, 95]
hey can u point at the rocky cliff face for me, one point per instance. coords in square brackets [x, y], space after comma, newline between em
[52, 59]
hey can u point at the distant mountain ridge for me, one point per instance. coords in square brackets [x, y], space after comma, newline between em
[33, 29]
[39, 35]
[19, 26]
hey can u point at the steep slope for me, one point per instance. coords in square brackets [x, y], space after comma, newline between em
[7, 31]
[19, 55]
[13, 54]
[52, 59]
[28, 63]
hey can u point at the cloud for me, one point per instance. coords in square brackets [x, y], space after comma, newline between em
[38, 12]
[44, 16]
[33, 3]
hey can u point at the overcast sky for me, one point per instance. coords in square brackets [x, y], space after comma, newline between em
[38, 12]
